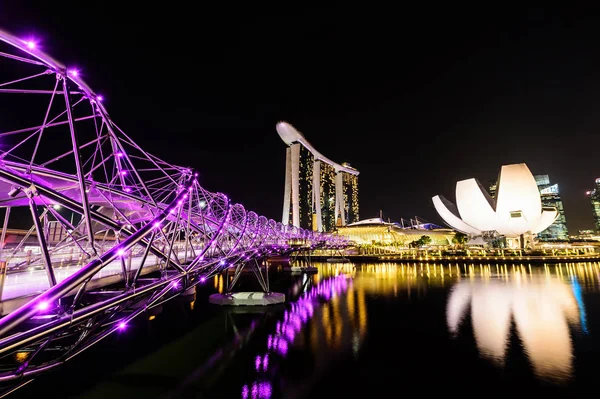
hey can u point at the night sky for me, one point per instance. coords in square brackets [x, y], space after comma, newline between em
[415, 99]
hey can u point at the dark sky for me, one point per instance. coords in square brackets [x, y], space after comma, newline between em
[415, 99]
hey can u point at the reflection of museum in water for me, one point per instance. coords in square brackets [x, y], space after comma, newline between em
[543, 306]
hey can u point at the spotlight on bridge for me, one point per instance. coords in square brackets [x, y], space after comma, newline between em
[14, 192]
[44, 305]
[122, 325]
[56, 206]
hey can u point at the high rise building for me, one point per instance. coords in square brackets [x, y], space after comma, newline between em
[319, 193]
[594, 197]
[550, 196]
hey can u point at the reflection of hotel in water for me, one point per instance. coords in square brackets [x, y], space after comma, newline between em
[339, 323]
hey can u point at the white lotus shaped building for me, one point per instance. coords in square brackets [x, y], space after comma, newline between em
[517, 209]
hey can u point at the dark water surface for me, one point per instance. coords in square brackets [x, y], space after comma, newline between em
[354, 331]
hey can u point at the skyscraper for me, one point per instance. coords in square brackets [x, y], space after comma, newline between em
[594, 197]
[319, 193]
[550, 196]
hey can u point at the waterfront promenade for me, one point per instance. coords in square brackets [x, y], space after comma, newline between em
[533, 259]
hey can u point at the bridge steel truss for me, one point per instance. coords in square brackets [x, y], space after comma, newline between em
[69, 165]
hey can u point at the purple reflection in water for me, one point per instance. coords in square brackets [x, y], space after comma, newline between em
[258, 390]
[257, 363]
[294, 318]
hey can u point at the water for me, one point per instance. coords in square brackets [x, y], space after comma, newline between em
[359, 331]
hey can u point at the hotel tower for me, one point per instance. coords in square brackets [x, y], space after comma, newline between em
[319, 193]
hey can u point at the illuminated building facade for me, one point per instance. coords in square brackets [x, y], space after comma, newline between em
[515, 213]
[319, 194]
[594, 197]
[350, 188]
[371, 231]
[492, 188]
[550, 197]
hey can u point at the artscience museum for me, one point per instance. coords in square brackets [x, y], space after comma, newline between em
[516, 213]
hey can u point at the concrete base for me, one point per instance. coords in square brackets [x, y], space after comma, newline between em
[247, 299]
[301, 269]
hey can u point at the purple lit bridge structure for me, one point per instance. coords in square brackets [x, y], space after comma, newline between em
[114, 231]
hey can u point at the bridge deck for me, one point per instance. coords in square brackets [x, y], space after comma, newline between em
[20, 286]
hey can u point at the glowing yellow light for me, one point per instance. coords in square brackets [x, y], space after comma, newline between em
[22, 356]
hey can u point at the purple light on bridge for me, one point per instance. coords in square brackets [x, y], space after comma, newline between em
[100, 98]
[120, 252]
[175, 284]
[44, 305]
[202, 279]
[122, 325]
[74, 72]
[123, 173]
[119, 154]
[157, 225]
[127, 189]
[31, 45]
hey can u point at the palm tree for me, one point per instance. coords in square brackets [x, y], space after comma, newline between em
[460, 239]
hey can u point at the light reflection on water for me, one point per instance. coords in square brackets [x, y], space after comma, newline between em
[542, 308]
[288, 331]
[544, 303]
[363, 329]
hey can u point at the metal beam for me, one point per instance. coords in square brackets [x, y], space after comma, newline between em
[41, 240]
[80, 175]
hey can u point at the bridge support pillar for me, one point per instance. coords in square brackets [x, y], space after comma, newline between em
[256, 298]
[304, 262]
[247, 298]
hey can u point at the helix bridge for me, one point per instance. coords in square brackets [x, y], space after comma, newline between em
[113, 230]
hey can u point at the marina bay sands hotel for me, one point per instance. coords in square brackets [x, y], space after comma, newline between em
[319, 193]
